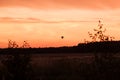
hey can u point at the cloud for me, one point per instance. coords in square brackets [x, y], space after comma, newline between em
[61, 4]
[35, 20]
[18, 20]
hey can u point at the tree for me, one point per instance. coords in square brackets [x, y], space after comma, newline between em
[12, 44]
[25, 45]
[100, 34]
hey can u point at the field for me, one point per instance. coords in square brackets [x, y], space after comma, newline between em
[63, 66]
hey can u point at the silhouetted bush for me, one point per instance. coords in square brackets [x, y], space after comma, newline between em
[18, 67]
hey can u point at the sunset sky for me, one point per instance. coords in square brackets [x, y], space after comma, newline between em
[43, 22]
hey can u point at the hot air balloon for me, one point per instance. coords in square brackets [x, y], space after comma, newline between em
[62, 37]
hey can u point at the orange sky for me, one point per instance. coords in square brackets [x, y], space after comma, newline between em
[43, 22]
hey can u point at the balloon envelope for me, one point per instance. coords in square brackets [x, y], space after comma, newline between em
[62, 37]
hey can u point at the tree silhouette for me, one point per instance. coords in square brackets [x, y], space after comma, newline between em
[12, 44]
[25, 45]
[100, 34]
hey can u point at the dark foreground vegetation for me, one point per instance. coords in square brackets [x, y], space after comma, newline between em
[19, 63]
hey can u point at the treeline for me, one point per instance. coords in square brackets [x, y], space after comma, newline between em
[106, 46]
